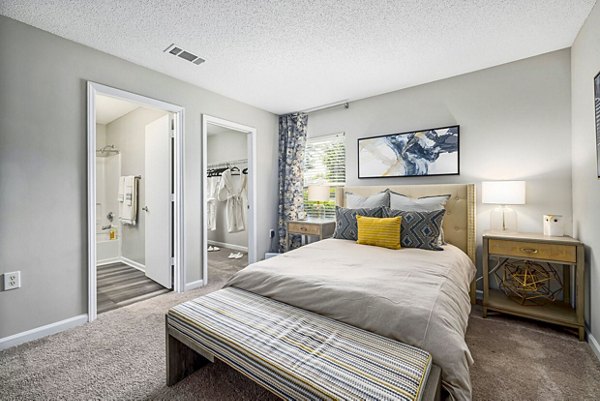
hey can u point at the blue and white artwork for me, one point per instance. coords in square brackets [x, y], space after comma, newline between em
[409, 154]
[597, 107]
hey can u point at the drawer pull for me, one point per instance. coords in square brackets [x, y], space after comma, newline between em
[529, 250]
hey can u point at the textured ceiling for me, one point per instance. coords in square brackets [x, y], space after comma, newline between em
[108, 109]
[289, 55]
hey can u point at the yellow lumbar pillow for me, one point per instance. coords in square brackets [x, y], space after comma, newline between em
[383, 232]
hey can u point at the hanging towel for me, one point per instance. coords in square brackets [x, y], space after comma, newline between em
[121, 194]
[128, 209]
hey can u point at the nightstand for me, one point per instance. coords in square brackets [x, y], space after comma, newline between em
[322, 228]
[525, 271]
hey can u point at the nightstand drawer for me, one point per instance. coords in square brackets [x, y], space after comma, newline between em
[299, 228]
[535, 250]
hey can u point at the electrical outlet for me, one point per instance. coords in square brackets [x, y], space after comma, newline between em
[12, 280]
[271, 233]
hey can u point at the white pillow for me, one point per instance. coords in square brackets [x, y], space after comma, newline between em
[422, 204]
[354, 201]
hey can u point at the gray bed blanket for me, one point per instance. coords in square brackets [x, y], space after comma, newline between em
[415, 296]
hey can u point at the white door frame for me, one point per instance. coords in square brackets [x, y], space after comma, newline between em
[252, 243]
[94, 89]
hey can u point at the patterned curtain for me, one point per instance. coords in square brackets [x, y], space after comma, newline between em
[292, 142]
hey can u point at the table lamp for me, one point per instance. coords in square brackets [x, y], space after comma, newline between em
[503, 193]
[318, 194]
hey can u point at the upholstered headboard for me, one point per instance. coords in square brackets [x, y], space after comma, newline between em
[459, 222]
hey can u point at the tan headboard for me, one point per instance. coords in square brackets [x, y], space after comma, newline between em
[459, 222]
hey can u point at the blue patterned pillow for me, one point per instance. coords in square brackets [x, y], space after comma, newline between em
[419, 229]
[346, 226]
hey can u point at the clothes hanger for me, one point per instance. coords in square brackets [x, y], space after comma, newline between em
[235, 169]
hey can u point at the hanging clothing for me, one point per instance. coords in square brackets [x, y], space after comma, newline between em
[292, 142]
[236, 198]
[212, 185]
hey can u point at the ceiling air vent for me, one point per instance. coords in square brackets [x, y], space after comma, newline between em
[184, 54]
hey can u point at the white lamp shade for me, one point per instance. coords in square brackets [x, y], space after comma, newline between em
[503, 192]
[318, 193]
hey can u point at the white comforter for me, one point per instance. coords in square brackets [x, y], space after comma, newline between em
[414, 296]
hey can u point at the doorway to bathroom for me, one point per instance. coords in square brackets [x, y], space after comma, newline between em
[229, 237]
[134, 167]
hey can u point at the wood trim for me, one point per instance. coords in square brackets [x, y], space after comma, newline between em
[533, 250]
[42, 331]
[433, 387]
[230, 246]
[94, 89]
[181, 357]
[252, 190]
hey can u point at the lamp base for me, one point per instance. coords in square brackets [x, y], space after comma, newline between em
[503, 219]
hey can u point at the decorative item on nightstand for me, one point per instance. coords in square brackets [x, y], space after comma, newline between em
[503, 193]
[553, 225]
[318, 194]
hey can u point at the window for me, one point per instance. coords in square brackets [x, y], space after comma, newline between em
[324, 164]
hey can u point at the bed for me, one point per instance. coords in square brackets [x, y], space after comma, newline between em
[419, 299]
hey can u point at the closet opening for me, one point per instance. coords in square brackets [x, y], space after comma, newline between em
[228, 240]
[134, 186]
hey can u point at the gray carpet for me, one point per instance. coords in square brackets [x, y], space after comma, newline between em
[120, 356]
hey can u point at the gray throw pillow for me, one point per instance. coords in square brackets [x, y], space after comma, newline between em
[422, 204]
[346, 226]
[419, 229]
[354, 201]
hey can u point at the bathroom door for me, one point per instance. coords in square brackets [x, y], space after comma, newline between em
[158, 205]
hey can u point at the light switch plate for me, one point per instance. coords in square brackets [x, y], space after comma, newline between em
[12, 280]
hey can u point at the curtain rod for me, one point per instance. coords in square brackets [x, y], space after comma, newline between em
[343, 103]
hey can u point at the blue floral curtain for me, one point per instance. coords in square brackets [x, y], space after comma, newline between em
[292, 142]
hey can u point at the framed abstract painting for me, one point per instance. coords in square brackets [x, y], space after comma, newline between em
[597, 108]
[410, 154]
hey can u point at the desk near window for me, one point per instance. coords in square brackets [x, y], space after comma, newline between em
[322, 228]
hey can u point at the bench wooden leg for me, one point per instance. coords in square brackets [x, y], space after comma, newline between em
[181, 359]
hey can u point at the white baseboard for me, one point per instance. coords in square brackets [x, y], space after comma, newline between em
[230, 246]
[194, 285]
[594, 345]
[104, 262]
[42, 331]
[133, 263]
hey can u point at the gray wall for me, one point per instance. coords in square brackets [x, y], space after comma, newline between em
[224, 147]
[43, 173]
[128, 134]
[100, 135]
[514, 125]
[585, 64]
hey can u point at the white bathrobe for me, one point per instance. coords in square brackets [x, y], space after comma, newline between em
[212, 185]
[232, 189]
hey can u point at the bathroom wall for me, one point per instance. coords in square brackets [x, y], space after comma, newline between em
[223, 147]
[128, 134]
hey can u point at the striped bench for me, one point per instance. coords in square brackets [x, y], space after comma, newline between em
[296, 354]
